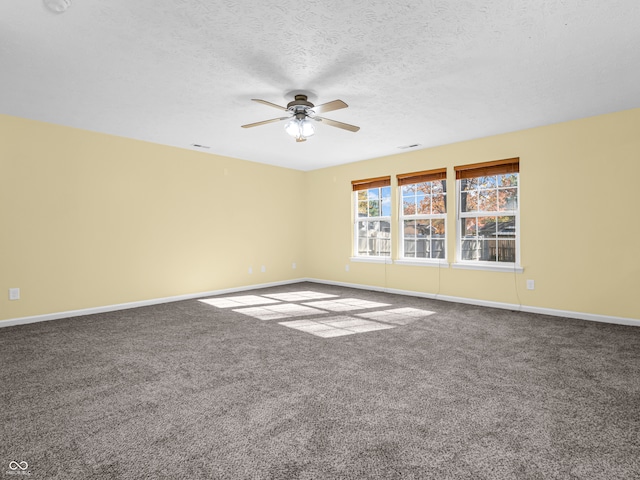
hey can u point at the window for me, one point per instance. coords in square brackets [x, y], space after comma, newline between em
[423, 209]
[488, 212]
[372, 219]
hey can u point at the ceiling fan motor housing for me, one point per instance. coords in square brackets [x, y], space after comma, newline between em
[300, 105]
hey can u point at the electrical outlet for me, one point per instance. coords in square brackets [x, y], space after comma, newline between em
[250, 270]
[263, 269]
[14, 294]
[531, 285]
[293, 265]
[346, 267]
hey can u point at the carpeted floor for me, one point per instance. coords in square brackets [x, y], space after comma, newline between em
[196, 390]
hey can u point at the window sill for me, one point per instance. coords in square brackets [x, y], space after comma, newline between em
[371, 259]
[509, 268]
[422, 263]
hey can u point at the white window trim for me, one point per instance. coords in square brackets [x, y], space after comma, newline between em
[422, 262]
[488, 266]
[431, 216]
[354, 244]
[371, 259]
[481, 265]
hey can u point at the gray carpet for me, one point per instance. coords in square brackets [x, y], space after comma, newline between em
[190, 390]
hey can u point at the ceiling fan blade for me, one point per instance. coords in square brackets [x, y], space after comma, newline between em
[330, 106]
[264, 122]
[264, 102]
[333, 123]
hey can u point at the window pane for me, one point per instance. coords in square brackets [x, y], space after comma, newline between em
[488, 200]
[437, 227]
[469, 202]
[487, 250]
[437, 248]
[408, 190]
[468, 184]
[374, 208]
[424, 188]
[423, 228]
[469, 249]
[506, 250]
[438, 186]
[487, 227]
[362, 195]
[508, 180]
[409, 205]
[506, 227]
[469, 227]
[409, 248]
[386, 207]
[409, 228]
[508, 199]
[362, 209]
[362, 238]
[374, 193]
[488, 182]
[438, 204]
[384, 239]
[421, 248]
[372, 241]
[423, 204]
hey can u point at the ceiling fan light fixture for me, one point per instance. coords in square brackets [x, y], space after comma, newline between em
[292, 127]
[306, 128]
[299, 128]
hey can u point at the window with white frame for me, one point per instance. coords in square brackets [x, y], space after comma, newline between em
[372, 217]
[488, 214]
[423, 210]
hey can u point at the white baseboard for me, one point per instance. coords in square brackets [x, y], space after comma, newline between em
[143, 303]
[471, 301]
[486, 303]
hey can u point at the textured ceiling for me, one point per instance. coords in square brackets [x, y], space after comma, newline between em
[179, 72]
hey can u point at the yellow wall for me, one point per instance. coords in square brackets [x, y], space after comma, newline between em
[90, 220]
[580, 223]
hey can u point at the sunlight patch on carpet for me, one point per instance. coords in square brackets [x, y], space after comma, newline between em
[239, 301]
[335, 326]
[299, 296]
[346, 304]
[274, 312]
[397, 316]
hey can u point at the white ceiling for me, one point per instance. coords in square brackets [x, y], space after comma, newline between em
[432, 72]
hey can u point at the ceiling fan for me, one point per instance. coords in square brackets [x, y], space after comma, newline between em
[300, 113]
